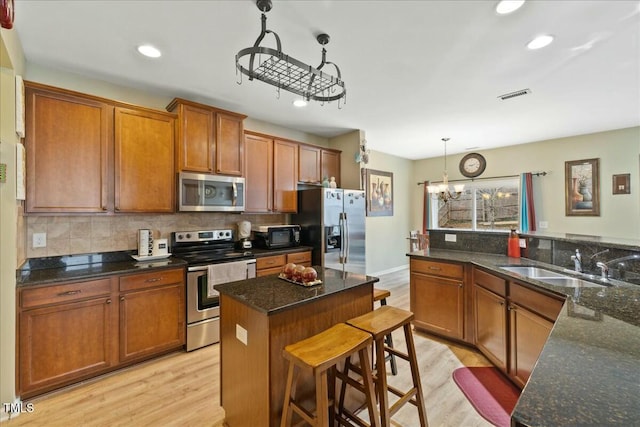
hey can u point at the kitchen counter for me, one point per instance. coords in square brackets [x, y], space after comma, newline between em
[589, 370]
[39, 271]
[258, 318]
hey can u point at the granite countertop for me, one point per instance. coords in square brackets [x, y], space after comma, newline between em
[41, 271]
[270, 294]
[589, 370]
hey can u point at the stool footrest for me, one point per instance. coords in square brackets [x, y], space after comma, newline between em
[404, 398]
[396, 353]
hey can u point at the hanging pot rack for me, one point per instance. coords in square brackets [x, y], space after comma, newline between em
[285, 72]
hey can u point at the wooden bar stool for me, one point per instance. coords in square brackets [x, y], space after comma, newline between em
[382, 295]
[320, 354]
[379, 323]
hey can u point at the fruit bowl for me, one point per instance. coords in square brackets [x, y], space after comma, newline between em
[307, 284]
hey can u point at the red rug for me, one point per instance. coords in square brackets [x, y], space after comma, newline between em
[493, 396]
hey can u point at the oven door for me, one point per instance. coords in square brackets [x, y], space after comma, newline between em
[200, 306]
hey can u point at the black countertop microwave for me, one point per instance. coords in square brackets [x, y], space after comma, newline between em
[276, 236]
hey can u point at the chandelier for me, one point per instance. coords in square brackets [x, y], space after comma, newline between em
[274, 67]
[442, 191]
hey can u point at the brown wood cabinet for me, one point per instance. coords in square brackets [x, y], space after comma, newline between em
[491, 317]
[210, 140]
[144, 177]
[69, 142]
[93, 155]
[74, 331]
[437, 297]
[512, 323]
[330, 161]
[66, 333]
[273, 264]
[161, 293]
[271, 177]
[309, 164]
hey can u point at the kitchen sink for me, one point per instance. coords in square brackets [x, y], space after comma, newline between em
[551, 277]
[533, 272]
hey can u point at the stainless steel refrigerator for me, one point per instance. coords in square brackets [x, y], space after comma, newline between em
[332, 222]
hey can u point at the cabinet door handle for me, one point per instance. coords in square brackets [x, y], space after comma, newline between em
[460, 285]
[109, 301]
[435, 268]
[153, 279]
[501, 303]
[65, 294]
[121, 298]
[510, 307]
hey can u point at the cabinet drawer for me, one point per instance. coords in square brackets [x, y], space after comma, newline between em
[490, 282]
[154, 278]
[54, 294]
[437, 268]
[540, 303]
[299, 257]
[271, 261]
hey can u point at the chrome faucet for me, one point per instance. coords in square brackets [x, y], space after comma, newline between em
[577, 261]
[604, 268]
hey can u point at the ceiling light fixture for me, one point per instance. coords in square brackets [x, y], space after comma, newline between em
[442, 191]
[508, 6]
[274, 67]
[540, 42]
[300, 103]
[149, 51]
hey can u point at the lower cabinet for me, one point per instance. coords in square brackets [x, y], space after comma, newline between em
[273, 264]
[491, 326]
[437, 297]
[73, 331]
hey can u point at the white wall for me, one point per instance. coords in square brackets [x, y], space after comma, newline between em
[618, 151]
[11, 63]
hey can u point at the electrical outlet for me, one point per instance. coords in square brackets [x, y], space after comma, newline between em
[450, 238]
[544, 224]
[241, 334]
[39, 240]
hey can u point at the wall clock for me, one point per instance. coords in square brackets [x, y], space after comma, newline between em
[472, 165]
[6, 14]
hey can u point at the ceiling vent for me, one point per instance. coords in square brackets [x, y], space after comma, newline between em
[514, 94]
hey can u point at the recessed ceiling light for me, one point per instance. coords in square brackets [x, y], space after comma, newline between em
[540, 42]
[508, 6]
[150, 51]
[300, 103]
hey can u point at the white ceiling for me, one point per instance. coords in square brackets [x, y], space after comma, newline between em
[415, 71]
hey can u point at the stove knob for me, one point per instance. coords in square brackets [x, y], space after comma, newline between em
[179, 236]
[188, 236]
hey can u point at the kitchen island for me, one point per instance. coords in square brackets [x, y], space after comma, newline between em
[258, 318]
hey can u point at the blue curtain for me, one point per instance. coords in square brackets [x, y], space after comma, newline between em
[527, 210]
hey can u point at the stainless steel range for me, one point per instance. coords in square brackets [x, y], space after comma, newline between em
[212, 259]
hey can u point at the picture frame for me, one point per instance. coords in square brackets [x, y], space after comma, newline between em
[621, 184]
[379, 192]
[582, 187]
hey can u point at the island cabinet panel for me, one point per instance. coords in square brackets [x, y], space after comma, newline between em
[210, 140]
[253, 370]
[330, 161]
[144, 171]
[437, 297]
[273, 264]
[309, 164]
[68, 144]
[66, 333]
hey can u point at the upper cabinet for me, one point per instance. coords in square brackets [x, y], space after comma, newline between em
[316, 163]
[86, 154]
[210, 140]
[271, 174]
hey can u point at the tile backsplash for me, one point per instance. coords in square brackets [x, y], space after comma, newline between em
[67, 235]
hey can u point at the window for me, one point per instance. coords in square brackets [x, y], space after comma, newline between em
[483, 205]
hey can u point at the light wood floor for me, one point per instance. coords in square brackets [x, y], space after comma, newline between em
[183, 389]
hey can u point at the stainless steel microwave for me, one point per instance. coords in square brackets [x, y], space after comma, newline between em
[210, 193]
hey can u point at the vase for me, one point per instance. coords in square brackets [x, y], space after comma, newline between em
[577, 197]
[583, 189]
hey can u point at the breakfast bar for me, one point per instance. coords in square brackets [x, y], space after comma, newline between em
[259, 317]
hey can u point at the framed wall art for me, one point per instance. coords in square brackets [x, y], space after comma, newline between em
[622, 184]
[582, 187]
[379, 192]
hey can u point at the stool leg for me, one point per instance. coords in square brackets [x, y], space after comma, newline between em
[389, 340]
[365, 364]
[322, 402]
[413, 362]
[286, 407]
[381, 383]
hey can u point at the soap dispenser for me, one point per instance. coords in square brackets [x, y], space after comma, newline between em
[513, 244]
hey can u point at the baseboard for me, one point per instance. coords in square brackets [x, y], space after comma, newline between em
[390, 270]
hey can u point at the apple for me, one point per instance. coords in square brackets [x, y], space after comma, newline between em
[309, 274]
[297, 273]
[287, 270]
